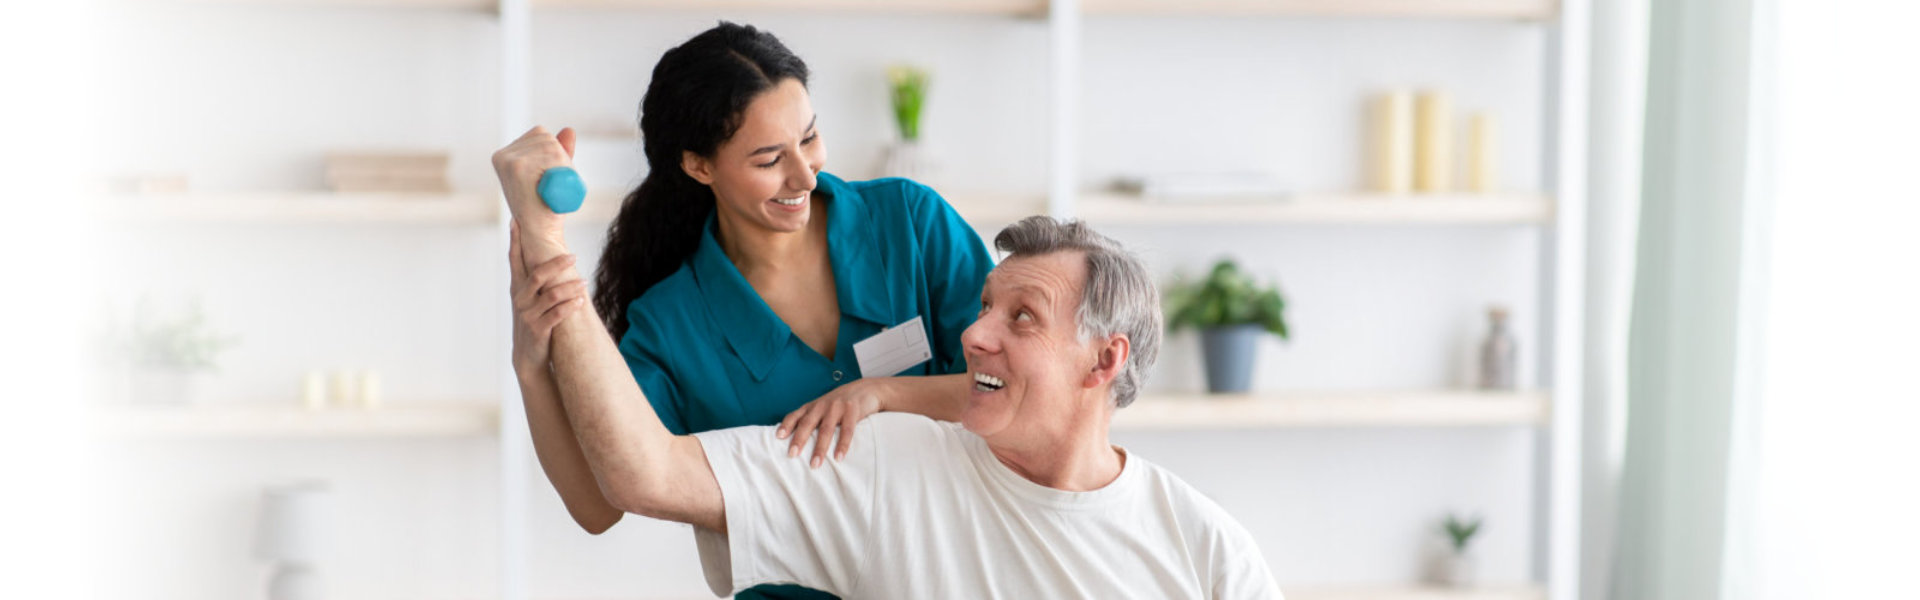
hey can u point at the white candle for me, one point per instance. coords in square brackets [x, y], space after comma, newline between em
[1433, 146]
[370, 389]
[1480, 161]
[1393, 142]
[343, 388]
[313, 391]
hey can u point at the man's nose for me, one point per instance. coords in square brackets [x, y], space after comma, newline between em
[977, 338]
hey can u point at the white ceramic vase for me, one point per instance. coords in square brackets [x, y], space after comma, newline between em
[1454, 569]
[909, 159]
[162, 386]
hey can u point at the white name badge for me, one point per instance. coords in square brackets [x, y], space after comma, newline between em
[893, 350]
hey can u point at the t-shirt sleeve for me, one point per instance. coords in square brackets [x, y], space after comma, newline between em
[788, 522]
[957, 263]
[649, 369]
[1239, 571]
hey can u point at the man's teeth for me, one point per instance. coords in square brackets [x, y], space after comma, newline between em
[987, 383]
[794, 201]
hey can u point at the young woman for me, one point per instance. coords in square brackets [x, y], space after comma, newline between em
[738, 277]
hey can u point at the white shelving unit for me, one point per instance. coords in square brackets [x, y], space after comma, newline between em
[1556, 209]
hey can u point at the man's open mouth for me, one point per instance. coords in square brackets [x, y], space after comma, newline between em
[983, 382]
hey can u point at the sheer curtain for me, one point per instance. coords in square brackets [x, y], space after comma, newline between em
[1692, 334]
[1755, 294]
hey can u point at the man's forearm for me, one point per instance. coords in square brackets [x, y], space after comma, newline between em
[559, 452]
[939, 397]
[624, 442]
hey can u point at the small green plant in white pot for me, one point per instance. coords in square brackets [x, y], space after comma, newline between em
[907, 93]
[168, 357]
[1231, 311]
[1455, 568]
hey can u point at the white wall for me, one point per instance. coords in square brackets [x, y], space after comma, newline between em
[250, 97]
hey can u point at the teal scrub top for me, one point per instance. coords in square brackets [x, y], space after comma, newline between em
[710, 354]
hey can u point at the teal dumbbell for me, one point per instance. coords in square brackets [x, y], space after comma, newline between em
[562, 189]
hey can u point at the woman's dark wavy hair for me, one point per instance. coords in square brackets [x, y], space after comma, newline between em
[696, 100]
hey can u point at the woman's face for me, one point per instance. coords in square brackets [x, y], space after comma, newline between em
[763, 177]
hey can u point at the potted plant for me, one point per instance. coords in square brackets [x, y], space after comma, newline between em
[169, 357]
[908, 93]
[1231, 311]
[1455, 568]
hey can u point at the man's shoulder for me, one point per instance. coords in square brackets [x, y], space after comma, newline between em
[1199, 516]
[903, 427]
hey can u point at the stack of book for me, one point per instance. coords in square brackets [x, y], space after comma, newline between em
[415, 172]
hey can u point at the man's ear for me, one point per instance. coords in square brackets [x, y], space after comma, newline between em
[697, 167]
[1112, 357]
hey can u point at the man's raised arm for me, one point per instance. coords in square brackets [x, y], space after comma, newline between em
[641, 466]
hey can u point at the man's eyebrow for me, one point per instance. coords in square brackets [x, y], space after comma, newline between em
[1021, 289]
[776, 147]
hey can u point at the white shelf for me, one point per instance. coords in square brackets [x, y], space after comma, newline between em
[977, 208]
[302, 207]
[1353, 209]
[1512, 592]
[1531, 10]
[473, 5]
[1528, 10]
[474, 418]
[960, 7]
[1433, 408]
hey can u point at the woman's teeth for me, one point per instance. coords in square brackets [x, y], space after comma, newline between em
[794, 201]
[987, 383]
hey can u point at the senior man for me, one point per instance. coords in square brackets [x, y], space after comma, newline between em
[1024, 498]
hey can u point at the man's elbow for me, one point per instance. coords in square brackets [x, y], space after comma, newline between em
[597, 522]
[634, 497]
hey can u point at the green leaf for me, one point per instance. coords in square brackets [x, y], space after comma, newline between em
[1227, 296]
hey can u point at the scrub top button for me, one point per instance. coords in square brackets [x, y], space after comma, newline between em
[837, 375]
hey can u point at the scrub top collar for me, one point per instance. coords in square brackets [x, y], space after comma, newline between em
[753, 331]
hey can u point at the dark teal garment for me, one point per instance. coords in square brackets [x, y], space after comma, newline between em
[710, 354]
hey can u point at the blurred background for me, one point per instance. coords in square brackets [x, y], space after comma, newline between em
[1581, 299]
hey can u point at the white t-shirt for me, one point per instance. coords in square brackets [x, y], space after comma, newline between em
[922, 509]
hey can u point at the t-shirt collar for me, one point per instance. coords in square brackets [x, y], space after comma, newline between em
[1119, 488]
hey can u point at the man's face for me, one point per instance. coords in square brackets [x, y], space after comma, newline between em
[1024, 353]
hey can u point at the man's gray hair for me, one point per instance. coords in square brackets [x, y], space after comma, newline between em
[1119, 297]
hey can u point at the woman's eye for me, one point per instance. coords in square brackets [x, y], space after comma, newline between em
[770, 164]
[809, 139]
[1024, 316]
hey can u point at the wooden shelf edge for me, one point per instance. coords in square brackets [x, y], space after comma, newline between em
[460, 5]
[1435, 408]
[1416, 592]
[987, 208]
[1326, 208]
[459, 208]
[463, 419]
[1519, 10]
[1011, 8]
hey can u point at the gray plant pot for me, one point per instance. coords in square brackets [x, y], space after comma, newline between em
[1228, 353]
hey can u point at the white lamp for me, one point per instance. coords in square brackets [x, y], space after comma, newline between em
[292, 533]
